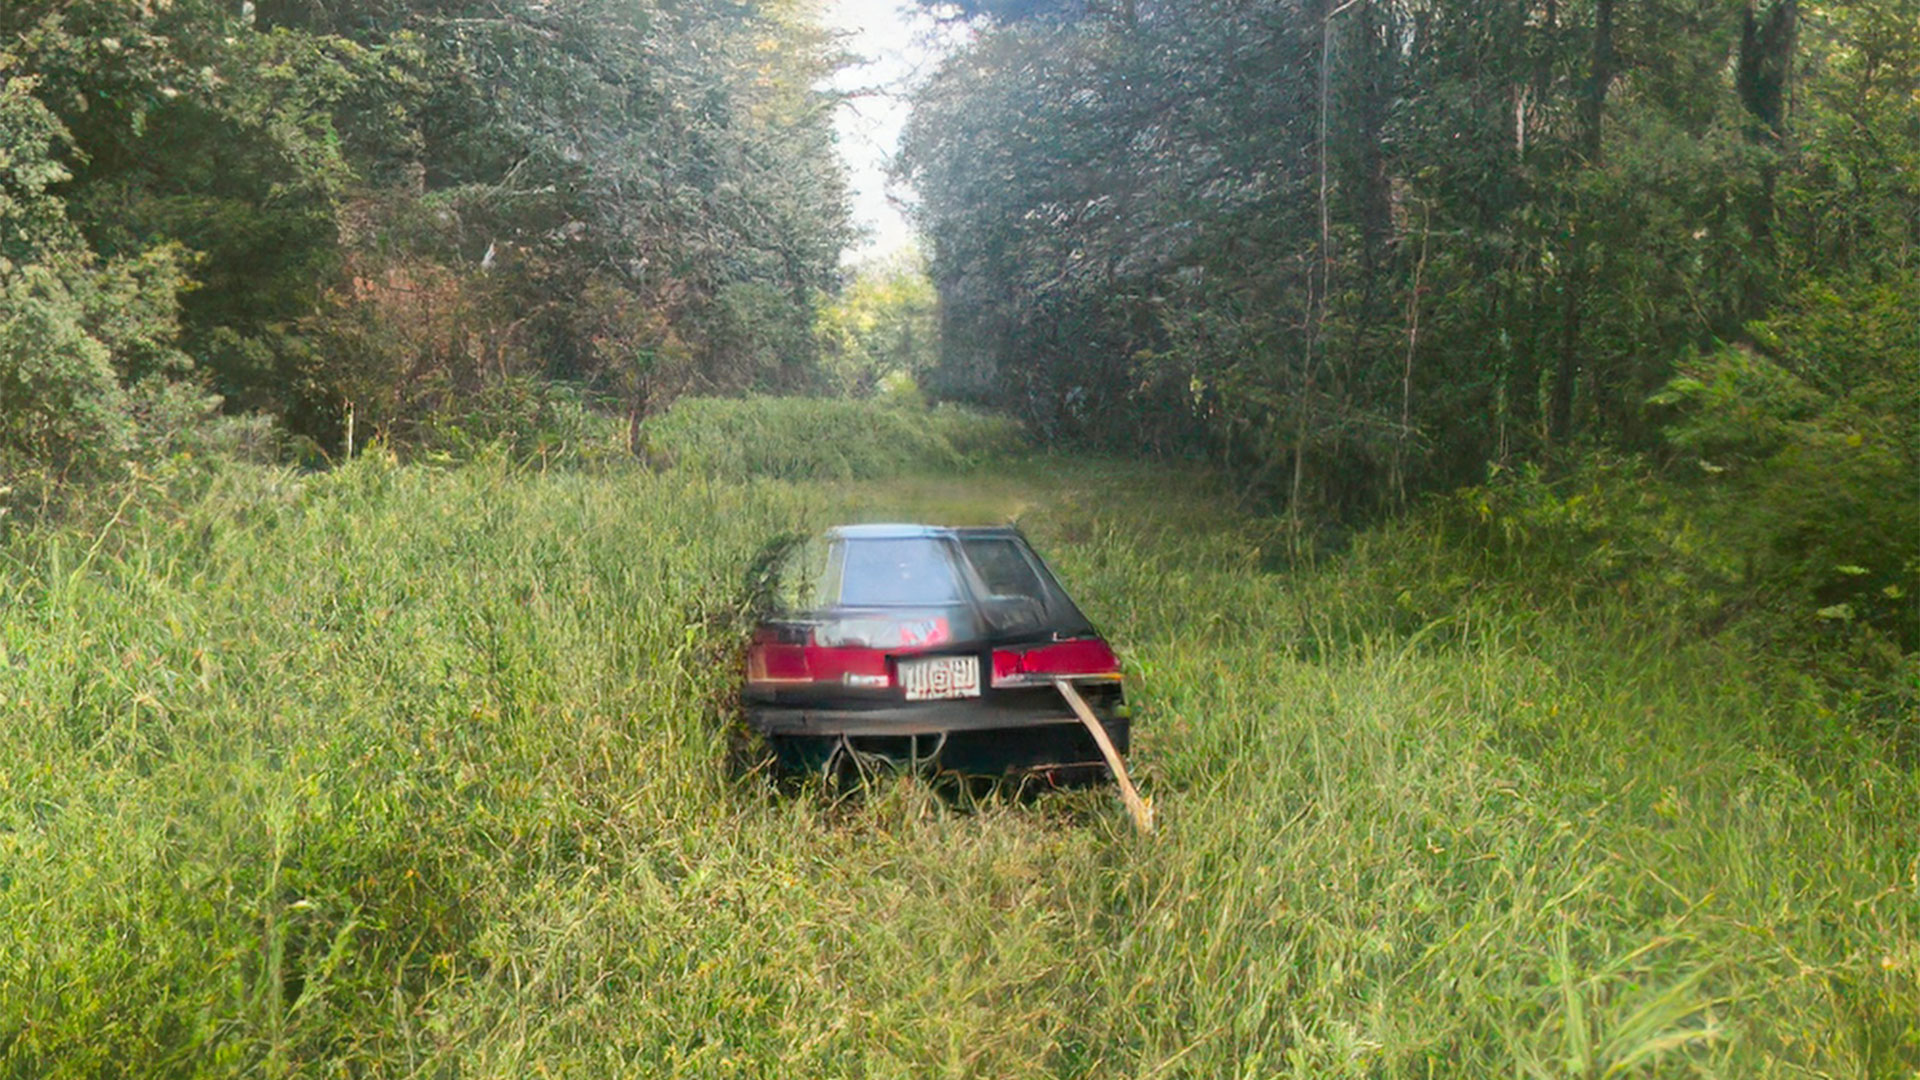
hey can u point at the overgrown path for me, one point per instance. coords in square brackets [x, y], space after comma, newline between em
[396, 771]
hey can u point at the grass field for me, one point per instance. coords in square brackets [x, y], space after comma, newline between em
[392, 771]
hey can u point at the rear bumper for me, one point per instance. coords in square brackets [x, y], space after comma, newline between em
[932, 718]
[969, 737]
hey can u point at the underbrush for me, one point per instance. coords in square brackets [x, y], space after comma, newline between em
[825, 439]
[395, 771]
[1825, 620]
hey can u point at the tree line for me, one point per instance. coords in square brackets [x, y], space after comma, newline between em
[418, 219]
[1358, 249]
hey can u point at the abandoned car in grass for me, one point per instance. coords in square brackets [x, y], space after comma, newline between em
[950, 649]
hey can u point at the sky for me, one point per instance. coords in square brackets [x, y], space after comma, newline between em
[896, 44]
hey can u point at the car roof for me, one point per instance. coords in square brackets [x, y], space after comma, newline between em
[904, 531]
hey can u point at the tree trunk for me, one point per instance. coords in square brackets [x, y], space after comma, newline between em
[1560, 406]
[1592, 106]
[1762, 77]
[1599, 80]
[1319, 280]
[1404, 437]
[1766, 66]
[1374, 35]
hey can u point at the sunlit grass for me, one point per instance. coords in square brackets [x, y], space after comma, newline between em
[825, 438]
[396, 772]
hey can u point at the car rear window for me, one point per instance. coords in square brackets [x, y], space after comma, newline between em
[1004, 568]
[911, 570]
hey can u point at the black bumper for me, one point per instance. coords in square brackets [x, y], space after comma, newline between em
[970, 737]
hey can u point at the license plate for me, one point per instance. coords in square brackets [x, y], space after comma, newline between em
[940, 677]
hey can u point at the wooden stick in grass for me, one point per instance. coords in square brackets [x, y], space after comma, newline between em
[1142, 813]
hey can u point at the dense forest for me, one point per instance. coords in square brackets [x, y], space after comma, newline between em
[1366, 248]
[1350, 252]
[1355, 252]
[420, 220]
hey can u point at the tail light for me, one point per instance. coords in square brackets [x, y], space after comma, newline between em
[795, 657]
[1080, 658]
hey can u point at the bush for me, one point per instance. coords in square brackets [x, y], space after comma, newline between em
[63, 408]
[1527, 545]
[530, 419]
[1803, 451]
[1529, 549]
[75, 330]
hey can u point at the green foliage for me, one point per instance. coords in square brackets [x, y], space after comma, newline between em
[636, 197]
[1802, 451]
[394, 770]
[1850, 204]
[75, 331]
[824, 439]
[1528, 546]
[882, 334]
[33, 222]
[1354, 251]
[61, 405]
[1796, 555]
[758, 337]
[527, 419]
[190, 126]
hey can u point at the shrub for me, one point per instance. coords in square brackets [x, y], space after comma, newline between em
[75, 330]
[530, 419]
[61, 405]
[1804, 451]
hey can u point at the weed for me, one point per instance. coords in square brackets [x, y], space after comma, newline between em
[396, 771]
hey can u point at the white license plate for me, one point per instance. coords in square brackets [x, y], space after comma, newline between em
[940, 677]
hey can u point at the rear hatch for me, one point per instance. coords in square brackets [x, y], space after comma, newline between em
[890, 616]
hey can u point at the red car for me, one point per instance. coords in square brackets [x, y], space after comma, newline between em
[931, 647]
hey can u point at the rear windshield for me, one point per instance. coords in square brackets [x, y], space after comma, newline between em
[905, 571]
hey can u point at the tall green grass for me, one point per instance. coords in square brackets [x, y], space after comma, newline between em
[825, 438]
[401, 772]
